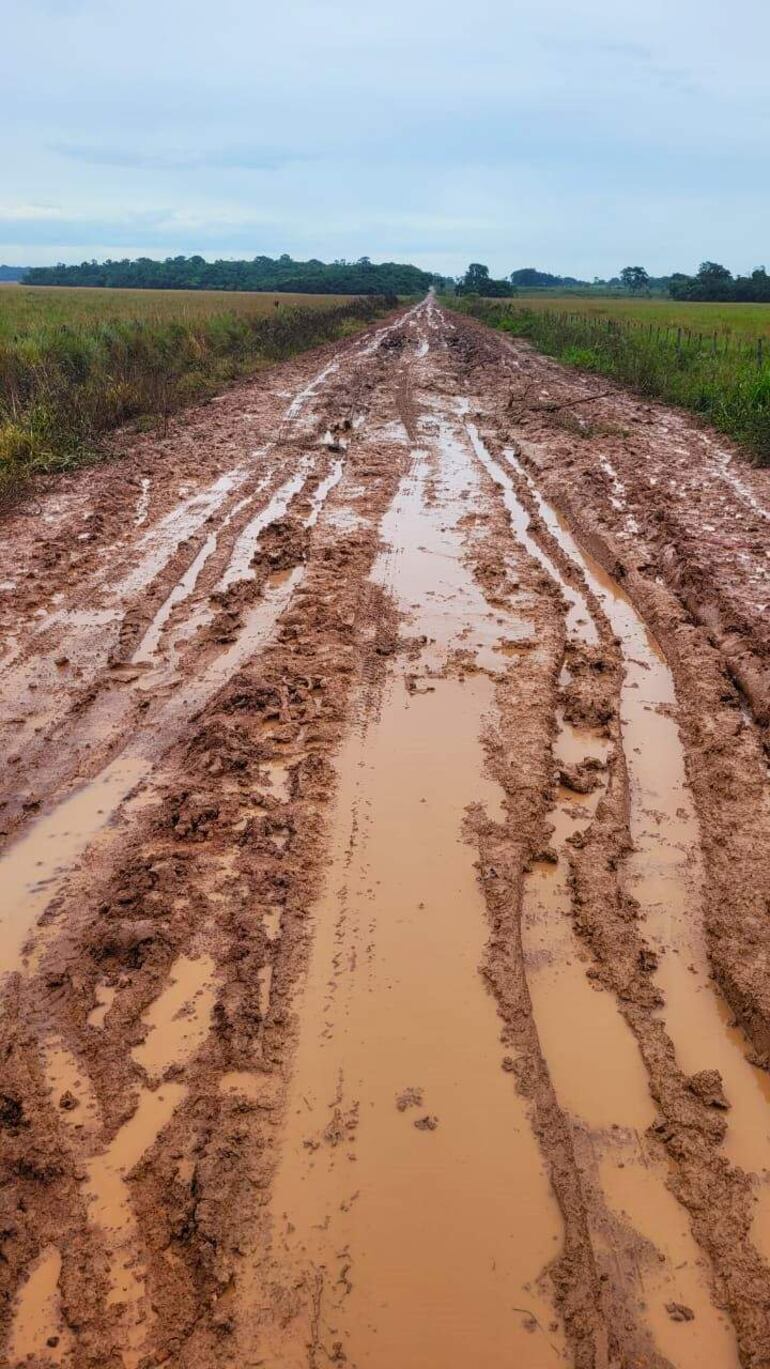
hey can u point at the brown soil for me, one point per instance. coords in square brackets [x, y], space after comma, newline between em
[385, 934]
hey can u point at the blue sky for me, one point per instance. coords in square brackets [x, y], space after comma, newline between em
[575, 135]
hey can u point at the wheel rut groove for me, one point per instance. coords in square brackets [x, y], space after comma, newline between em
[383, 847]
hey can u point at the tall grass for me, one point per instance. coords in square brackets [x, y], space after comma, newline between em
[23, 308]
[725, 378]
[749, 320]
[62, 388]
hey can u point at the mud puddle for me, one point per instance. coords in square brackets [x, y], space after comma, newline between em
[178, 1021]
[32, 869]
[239, 566]
[105, 997]
[38, 1331]
[640, 1234]
[147, 649]
[411, 1209]
[184, 521]
[665, 871]
[177, 1024]
[109, 1208]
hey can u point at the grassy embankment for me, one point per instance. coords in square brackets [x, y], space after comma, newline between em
[713, 359]
[75, 364]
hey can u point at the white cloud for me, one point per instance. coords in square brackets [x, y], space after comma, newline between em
[574, 137]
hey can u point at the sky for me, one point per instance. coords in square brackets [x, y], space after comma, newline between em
[578, 136]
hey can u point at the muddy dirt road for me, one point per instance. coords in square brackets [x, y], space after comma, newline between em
[385, 870]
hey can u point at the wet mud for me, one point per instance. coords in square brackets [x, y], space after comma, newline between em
[385, 880]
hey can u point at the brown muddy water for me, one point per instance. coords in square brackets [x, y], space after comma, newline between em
[33, 867]
[665, 868]
[407, 1217]
[411, 1205]
[38, 1326]
[36, 865]
[595, 1064]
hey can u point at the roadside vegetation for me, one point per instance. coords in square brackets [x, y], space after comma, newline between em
[722, 375]
[741, 322]
[65, 384]
[23, 308]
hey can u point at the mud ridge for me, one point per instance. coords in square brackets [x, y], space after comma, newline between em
[385, 797]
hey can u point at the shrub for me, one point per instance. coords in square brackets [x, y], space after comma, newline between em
[726, 381]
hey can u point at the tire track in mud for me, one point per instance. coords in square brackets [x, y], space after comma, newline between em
[598, 1075]
[389, 1101]
[646, 827]
[133, 942]
[155, 696]
[670, 1232]
[92, 664]
[404, 690]
[675, 557]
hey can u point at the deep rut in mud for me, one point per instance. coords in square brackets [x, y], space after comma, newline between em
[360, 943]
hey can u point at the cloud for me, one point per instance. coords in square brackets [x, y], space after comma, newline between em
[575, 137]
[245, 158]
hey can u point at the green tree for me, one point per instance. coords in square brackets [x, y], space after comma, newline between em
[475, 278]
[635, 279]
[477, 281]
[711, 273]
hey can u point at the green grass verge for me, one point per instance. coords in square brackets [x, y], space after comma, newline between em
[725, 378]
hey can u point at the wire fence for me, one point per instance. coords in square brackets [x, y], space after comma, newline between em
[722, 376]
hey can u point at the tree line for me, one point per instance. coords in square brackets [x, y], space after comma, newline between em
[477, 281]
[280, 274]
[711, 282]
[715, 282]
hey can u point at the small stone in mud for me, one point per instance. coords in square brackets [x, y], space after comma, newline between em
[647, 959]
[52, 1341]
[68, 1101]
[707, 1085]
[11, 1113]
[582, 778]
[509, 1064]
[428, 1123]
[410, 1098]
[679, 1312]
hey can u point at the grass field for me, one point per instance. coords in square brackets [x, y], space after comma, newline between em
[75, 363]
[745, 320]
[721, 373]
[23, 308]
